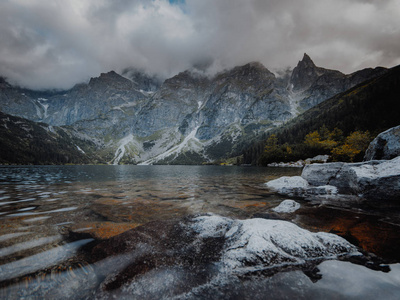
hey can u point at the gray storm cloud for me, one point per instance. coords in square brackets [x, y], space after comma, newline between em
[56, 44]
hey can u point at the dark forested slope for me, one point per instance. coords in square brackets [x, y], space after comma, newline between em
[373, 105]
[27, 142]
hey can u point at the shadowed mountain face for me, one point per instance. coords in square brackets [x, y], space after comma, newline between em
[189, 118]
[312, 85]
[27, 142]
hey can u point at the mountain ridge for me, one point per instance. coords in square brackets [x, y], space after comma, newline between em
[188, 118]
[372, 105]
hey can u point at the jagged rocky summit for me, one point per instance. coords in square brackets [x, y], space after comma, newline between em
[189, 118]
[310, 85]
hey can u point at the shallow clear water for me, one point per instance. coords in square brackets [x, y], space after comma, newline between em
[44, 211]
[49, 195]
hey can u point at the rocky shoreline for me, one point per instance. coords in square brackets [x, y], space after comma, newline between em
[370, 180]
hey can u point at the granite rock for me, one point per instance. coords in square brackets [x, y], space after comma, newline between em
[385, 146]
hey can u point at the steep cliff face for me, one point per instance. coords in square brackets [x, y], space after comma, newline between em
[243, 95]
[189, 118]
[212, 115]
[24, 103]
[89, 101]
[105, 93]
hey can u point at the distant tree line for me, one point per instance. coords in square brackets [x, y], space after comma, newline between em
[323, 141]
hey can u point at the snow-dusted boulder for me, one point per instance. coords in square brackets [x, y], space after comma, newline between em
[385, 146]
[164, 259]
[372, 179]
[299, 187]
[287, 206]
[289, 185]
[379, 181]
[261, 243]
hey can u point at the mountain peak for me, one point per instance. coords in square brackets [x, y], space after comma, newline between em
[143, 80]
[307, 60]
[304, 74]
[4, 83]
[111, 74]
[251, 69]
[255, 64]
[110, 79]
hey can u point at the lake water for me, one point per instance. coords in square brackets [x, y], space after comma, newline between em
[48, 213]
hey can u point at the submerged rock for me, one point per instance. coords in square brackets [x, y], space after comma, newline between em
[287, 206]
[385, 146]
[99, 230]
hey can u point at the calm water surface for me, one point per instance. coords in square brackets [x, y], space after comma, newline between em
[45, 211]
[41, 205]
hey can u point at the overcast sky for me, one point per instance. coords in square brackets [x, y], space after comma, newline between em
[57, 43]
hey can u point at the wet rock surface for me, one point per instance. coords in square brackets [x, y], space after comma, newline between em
[198, 250]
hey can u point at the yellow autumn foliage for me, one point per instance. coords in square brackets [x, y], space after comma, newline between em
[315, 140]
[357, 142]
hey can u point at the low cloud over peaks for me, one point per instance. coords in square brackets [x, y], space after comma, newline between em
[56, 44]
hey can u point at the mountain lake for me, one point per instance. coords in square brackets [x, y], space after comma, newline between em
[51, 217]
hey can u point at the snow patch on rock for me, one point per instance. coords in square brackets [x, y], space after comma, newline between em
[384, 169]
[190, 142]
[122, 148]
[79, 149]
[260, 243]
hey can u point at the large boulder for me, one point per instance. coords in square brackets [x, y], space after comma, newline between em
[385, 146]
[297, 186]
[371, 179]
[268, 243]
[289, 185]
[174, 258]
[378, 181]
[320, 174]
